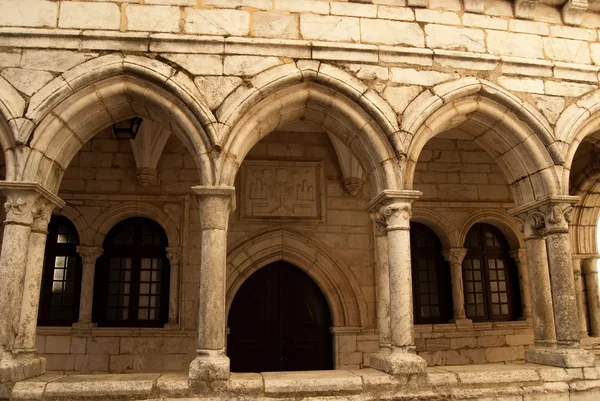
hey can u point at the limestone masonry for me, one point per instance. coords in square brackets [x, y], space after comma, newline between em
[421, 177]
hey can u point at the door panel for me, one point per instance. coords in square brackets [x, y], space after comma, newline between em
[279, 321]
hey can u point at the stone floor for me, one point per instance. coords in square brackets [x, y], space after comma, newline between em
[490, 382]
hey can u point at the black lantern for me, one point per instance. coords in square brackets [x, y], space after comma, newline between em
[127, 129]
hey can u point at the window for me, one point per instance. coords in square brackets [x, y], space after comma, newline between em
[61, 275]
[431, 277]
[491, 284]
[132, 276]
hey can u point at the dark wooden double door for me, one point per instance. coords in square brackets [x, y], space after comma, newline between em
[279, 321]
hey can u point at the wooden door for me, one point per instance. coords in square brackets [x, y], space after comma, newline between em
[279, 321]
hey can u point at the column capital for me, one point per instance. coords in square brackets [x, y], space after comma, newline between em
[29, 203]
[454, 255]
[89, 254]
[174, 255]
[215, 204]
[590, 266]
[546, 216]
[392, 209]
[519, 255]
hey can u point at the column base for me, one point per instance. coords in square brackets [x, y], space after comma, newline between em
[209, 371]
[564, 358]
[397, 363]
[14, 370]
[84, 326]
[463, 322]
[171, 326]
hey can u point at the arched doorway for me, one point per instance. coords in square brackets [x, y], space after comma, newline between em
[279, 321]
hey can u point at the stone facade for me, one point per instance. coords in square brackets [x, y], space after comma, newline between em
[313, 132]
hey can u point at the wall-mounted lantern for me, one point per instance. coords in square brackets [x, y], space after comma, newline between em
[127, 129]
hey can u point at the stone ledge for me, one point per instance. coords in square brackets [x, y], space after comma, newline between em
[365, 53]
[472, 382]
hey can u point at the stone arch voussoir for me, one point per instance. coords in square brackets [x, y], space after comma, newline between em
[497, 218]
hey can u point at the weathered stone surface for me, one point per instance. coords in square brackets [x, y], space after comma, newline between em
[89, 15]
[18, 13]
[248, 65]
[54, 61]
[328, 382]
[391, 33]
[425, 78]
[444, 37]
[514, 44]
[217, 22]
[198, 64]
[154, 19]
[26, 81]
[329, 28]
[275, 25]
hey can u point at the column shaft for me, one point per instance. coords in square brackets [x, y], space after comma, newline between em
[590, 270]
[541, 294]
[563, 289]
[520, 257]
[25, 341]
[89, 256]
[13, 262]
[383, 289]
[174, 255]
[455, 257]
[581, 312]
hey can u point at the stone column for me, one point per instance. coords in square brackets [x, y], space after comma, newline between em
[211, 365]
[590, 269]
[579, 283]
[455, 257]
[394, 211]
[550, 217]
[89, 255]
[25, 341]
[174, 255]
[21, 261]
[520, 257]
[382, 277]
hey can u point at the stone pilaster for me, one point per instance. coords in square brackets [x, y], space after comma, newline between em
[211, 366]
[455, 257]
[89, 255]
[579, 283]
[28, 207]
[549, 217]
[520, 258]
[174, 256]
[590, 269]
[382, 276]
[393, 210]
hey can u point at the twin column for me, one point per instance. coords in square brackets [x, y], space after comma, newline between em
[554, 303]
[391, 211]
[28, 210]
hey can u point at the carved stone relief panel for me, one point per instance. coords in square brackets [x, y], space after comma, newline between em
[282, 190]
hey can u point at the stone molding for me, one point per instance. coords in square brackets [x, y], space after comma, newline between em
[525, 9]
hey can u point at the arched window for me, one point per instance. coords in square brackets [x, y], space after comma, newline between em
[432, 296]
[132, 276]
[490, 276]
[61, 275]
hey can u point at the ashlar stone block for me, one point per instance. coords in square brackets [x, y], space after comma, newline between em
[86, 15]
[335, 28]
[18, 13]
[275, 25]
[391, 32]
[217, 22]
[452, 38]
[153, 19]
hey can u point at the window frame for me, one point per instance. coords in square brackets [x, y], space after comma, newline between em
[483, 253]
[136, 252]
[442, 269]
[52, 250]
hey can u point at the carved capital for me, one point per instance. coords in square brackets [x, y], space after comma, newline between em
[396, 216]
[27, 202]
[174, 255]
[532, 224]
[89, 254]
[557, 217]
[147, 176]
[379, 223]
[525, 9]
[215, 204]
[573, 10]
[454, 256]
[519, 255]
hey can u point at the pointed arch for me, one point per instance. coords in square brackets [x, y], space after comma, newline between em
[72, 108]
[330, 98]
[343, 294]
[12, 107]
[511, 131]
